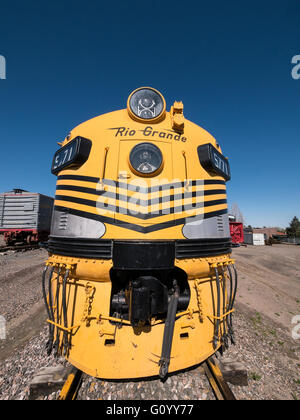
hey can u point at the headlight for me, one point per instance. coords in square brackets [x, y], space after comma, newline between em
[146, 158]
[146, 104]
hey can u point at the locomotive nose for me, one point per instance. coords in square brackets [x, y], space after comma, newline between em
[139, 249]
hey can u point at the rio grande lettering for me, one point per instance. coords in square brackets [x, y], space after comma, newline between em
[148, 132]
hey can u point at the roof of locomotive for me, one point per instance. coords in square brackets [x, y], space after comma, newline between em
[121, 119]
[146, 107]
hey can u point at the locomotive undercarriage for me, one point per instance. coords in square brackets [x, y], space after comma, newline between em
[178, 309]
[139, 296]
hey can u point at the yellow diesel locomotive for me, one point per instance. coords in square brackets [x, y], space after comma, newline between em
[139, 280]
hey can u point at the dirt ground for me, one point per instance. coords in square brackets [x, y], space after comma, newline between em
[269, 281]
[21, 297]
[267, 300]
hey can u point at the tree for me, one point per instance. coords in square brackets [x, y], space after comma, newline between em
[236, 212]
[294, 229]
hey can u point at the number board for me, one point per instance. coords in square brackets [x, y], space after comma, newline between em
[74, 154]
[214, 161]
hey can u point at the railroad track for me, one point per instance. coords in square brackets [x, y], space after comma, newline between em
[219, 386]
[217, 381]
[71, 386]
[18, 248]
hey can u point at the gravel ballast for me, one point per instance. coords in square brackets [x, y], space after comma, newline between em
[272, 361]
[264, 344]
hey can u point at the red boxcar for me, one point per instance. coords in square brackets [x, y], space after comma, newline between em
[236, 232]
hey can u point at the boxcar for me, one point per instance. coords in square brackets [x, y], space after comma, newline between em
[25, 217]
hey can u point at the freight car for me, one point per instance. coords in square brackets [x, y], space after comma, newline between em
[251, 238]
[25, 217]
[140, 279]
[236, 233]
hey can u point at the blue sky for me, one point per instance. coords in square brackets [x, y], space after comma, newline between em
[229, 62]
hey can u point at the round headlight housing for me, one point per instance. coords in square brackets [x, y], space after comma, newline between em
[146, 104]
[146, 159]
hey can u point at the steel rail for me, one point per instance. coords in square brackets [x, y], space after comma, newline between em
[71, 386]
[219, 385]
